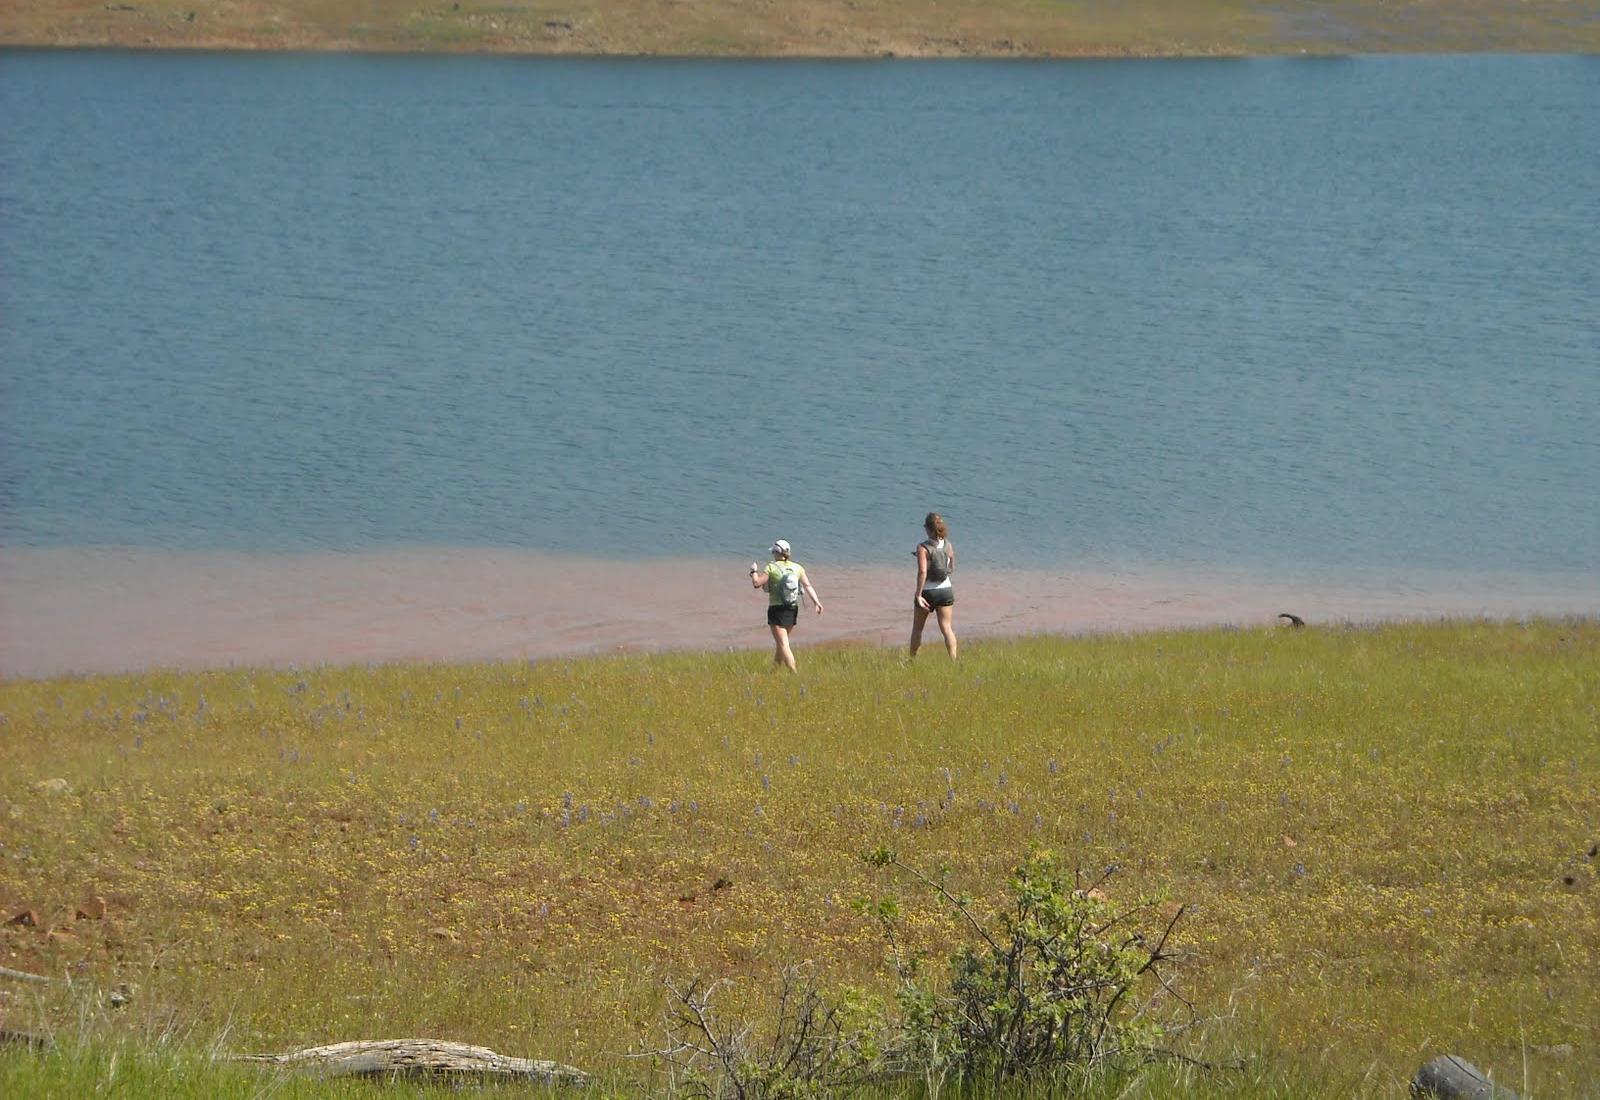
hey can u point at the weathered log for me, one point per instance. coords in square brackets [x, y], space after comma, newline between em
[24, 976]
[27, 1039]
[1452, 1078]
[419, 1058]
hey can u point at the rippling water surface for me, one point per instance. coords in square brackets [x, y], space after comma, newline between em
[1271, 315]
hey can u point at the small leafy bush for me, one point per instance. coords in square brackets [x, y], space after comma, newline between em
[1060, 981]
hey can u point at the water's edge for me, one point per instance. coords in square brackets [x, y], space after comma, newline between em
[104, 610]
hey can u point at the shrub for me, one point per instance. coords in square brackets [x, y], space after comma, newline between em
[1059, 981]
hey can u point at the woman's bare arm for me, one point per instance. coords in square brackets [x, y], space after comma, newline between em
[805, 584]
[922, 576]
[758, 576]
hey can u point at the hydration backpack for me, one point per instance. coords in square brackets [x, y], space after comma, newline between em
[789, 584]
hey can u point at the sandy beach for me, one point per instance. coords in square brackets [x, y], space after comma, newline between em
[110, 610]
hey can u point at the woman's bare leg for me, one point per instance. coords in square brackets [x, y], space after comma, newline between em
[782, 654]
[919, 619]
[947, 627]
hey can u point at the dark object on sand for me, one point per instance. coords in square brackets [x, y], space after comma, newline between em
[1294, 620]
[1452, 1078]
[419, 1058]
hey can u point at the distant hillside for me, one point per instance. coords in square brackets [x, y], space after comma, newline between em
[815, 28]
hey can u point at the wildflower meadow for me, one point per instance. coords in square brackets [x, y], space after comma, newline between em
[1378, 844]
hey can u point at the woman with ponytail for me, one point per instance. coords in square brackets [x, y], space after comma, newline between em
[936, 560]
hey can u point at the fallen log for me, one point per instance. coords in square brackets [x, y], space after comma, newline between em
[26, 1039]
[24, 976]
[419, 1058]
[1450, 1078]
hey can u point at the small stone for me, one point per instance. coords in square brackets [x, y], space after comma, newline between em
[1289, 841]
[93, 909]
[52, 786]
[26, 918]
[442, 933]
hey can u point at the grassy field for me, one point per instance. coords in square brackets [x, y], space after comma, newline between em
[816, 28]
[1384, 836]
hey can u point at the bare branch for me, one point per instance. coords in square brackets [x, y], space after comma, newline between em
[960, 907]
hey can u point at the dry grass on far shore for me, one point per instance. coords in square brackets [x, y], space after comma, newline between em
[815, 28]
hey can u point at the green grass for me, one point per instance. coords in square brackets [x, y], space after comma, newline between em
[1374, 830]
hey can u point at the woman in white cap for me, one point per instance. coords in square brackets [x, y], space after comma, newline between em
[784, 579]
[936, 560]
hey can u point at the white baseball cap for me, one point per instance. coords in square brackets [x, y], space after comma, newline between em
[781, 547]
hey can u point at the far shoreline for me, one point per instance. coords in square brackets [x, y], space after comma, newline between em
[815, 30]
[184, 49]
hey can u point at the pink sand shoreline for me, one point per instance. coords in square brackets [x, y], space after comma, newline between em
[107, 610]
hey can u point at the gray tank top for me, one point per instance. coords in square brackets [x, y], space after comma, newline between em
[938, 562]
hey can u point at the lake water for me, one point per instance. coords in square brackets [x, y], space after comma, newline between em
[1327, 325]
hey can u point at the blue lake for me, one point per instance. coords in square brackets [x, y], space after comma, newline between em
[1339, 314]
